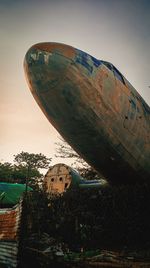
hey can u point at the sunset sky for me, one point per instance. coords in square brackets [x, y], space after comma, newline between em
[117, 31]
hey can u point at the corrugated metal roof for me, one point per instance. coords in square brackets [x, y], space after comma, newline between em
[9, 234]
[9, 253]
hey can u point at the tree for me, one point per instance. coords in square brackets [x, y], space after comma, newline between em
[6, 170]
[64, 150]
[27, 167]
[34, 161]
[30, 164]
[20, 173]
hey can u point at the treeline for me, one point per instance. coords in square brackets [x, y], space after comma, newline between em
[26, 166]
[12, 173]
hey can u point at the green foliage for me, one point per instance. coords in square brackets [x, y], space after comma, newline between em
[14, 173]
[6, 170]
[27, 167]
[21, 172]
[34, 161]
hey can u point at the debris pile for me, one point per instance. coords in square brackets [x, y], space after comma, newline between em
[45, 251]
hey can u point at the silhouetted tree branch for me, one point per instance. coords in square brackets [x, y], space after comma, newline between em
[64, 150]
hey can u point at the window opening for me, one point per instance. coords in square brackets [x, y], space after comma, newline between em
[66, 184]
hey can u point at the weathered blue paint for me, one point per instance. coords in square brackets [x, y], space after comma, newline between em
[88, 182]
[87, 61]
[146, 108]
[101, 116]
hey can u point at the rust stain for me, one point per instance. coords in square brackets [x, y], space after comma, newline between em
[9, 223]
[95, 109]
[10, 219]
[66, 50]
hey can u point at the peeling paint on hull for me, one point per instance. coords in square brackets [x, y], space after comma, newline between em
[94, 108]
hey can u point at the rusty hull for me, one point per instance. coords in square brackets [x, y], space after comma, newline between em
[103, 118]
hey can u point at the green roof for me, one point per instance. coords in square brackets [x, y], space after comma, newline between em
[10, 193]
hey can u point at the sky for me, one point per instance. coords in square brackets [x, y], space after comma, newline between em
[117, 31]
